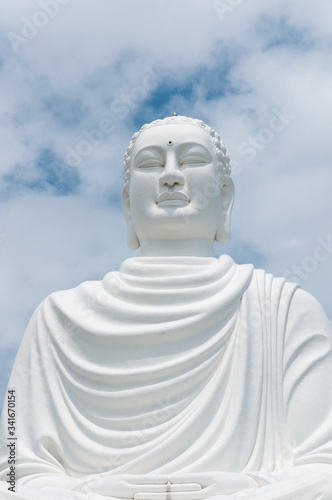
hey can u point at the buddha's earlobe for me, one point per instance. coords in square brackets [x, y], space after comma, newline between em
[227, 200]
[132, 240]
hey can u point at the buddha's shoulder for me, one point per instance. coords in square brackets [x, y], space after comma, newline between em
[301, 299]
[307, 310]
[83, 294]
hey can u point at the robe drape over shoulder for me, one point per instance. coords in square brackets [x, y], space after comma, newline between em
[173, 365]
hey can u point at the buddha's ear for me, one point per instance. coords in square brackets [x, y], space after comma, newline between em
[132, 240]
[227, 200]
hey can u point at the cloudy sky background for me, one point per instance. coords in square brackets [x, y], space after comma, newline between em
[71, 67]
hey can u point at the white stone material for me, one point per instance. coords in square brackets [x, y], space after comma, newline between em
[182, 376]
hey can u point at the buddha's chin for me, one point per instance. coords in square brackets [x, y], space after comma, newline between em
[173, 209]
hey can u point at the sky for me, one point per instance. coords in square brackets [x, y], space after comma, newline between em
[78, 78]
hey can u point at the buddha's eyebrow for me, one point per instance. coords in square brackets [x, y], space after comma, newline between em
[150, 146]
[192, 144]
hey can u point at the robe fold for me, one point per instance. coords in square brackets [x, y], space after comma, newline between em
[174, 365]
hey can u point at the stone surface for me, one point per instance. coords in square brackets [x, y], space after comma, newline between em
[181, 376]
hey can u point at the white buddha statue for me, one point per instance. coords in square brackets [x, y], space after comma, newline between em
[182, 376]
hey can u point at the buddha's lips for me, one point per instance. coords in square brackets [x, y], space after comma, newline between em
[170, 197]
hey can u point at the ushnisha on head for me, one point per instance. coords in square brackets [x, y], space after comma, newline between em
[178, 193]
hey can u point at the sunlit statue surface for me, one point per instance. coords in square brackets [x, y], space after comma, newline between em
[182, 376]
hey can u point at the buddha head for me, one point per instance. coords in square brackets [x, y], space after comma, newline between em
[177, 183]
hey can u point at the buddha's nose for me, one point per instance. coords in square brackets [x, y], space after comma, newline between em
[171, 175]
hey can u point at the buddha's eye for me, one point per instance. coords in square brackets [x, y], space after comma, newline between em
[150, 163]
[193, 160]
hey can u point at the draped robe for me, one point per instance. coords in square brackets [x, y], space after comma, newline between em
[171, 365]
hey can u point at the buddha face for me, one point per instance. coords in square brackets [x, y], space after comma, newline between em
[176, 190]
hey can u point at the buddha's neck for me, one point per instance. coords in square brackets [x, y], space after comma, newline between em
[191, 247]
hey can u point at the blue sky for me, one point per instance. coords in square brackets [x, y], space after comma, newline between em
[75, 89]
